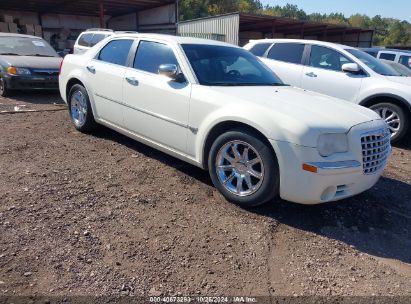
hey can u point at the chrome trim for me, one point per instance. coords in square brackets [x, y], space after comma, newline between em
[170, 120]
[347, 164]
[376, 148]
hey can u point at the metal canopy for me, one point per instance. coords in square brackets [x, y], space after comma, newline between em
[82, 7]
[272, 24]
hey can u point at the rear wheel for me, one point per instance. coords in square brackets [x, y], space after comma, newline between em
[244, 168]
[80, 110]
[395, 117]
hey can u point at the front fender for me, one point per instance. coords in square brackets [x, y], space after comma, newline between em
[272, 127]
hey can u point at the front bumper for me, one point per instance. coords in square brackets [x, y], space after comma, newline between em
[308, 178]
[31, 82]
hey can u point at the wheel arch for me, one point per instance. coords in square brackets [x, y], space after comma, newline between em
[225, 126]
[395, 99]
[72, 81]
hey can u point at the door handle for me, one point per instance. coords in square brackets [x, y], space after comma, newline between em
[132, 80]
[91, 69]
[311, 74]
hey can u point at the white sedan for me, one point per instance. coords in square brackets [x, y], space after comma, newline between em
[218, 107]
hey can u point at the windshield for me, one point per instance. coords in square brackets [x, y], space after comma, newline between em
[404, 71]
[216, 65]
[373, 63]
[22, 46]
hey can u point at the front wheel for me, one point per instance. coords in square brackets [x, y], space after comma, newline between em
[244, 168]
[395, 117]
[80, 110]
[4, 91]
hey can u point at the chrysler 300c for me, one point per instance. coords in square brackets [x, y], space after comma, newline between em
[218, 107]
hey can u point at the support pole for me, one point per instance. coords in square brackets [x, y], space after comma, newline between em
[101, 14]
[273, 28]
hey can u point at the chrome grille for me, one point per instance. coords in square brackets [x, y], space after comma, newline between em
[375, 150]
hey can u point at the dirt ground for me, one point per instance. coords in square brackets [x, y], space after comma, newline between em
[102, 214]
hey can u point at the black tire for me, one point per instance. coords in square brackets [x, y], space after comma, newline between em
[88, 124]
[402, 115]
[4, 91]
[269, 186]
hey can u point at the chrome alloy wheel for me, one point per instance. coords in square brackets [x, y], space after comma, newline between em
[239, 168]
[391, 118]
[78, 108]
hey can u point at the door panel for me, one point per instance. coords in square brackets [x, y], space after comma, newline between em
[106, 82]
[337, 84]
[324, 74]
[289, 73]
[106, 76]
[157, 108]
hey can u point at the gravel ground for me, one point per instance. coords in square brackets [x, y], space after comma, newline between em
[101, 214]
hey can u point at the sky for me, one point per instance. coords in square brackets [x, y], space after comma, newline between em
[400, 9]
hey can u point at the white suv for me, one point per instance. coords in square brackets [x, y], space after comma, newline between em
[90, 38]
[340, 71]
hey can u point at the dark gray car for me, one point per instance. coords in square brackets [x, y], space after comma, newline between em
[27, 63]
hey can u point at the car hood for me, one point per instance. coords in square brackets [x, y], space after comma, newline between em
[32, 62]
[399, 79]
[288, 107]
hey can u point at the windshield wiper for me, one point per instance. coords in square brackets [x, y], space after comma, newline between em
[10, 54]
[39, 55]
[247, 84]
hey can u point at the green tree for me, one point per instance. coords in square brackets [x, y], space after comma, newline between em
[398, 34]
[359, 20]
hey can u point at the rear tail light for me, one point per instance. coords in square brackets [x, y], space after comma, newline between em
[61, 66]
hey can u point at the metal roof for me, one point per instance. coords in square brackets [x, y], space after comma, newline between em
[264, 23]
[82, 7]
[268, 24]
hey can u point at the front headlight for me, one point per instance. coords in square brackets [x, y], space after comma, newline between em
[331, 143]
[18, 71]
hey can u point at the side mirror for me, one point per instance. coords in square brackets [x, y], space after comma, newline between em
[169, 70]
[351, 68]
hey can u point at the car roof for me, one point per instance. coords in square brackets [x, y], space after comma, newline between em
[18, 35]
[377, 49]
[173, 39]
[318, 42]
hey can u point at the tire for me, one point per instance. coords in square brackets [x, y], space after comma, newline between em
[4, 91]
[395, 117]
[80, 110]
[231, 175]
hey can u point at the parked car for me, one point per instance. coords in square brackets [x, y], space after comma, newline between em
[343, 72]
[90, 38]
[218, 107]
[401, 56]
[27, 63]
[398, 67]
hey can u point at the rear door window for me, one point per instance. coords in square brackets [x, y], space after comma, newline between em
[85, 39]
[387, 56]
[116, 51]
[288, 52]
[260, 48]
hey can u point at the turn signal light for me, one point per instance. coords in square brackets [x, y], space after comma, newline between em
[12, 70]
[310, 168]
